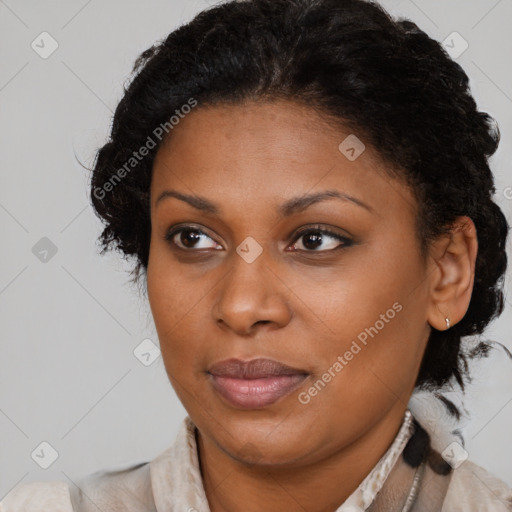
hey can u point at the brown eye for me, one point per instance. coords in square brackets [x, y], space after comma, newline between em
[191, 238]
[311, 239]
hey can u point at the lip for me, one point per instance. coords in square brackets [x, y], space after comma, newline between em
[254, 384]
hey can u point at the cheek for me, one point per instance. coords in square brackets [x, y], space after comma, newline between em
[171, 295]
[167, 310]
[369, 283]
[177, 300]
[375, 312]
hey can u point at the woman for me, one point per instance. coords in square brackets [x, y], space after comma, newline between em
[304, 187]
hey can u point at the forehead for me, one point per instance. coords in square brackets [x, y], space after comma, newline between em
[263, 151]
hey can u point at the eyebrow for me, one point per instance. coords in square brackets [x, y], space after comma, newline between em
[289, 207]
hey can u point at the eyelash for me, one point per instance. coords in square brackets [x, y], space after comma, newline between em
[345, 242]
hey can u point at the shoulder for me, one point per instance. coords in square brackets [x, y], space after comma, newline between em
[38, 497]
[473, 489]
[127, 489]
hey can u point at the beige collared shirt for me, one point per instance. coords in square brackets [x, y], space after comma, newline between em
[172, 482]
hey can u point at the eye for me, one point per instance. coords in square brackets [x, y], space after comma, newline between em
[187, 238]
[190, 238]
[312, 238]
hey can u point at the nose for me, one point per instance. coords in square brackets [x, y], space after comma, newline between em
[251, 295]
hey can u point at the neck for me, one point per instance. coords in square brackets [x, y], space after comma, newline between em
[321, 486]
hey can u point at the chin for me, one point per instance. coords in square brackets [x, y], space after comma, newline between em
[261, 443]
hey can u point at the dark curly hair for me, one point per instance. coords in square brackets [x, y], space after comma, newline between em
[383, 78]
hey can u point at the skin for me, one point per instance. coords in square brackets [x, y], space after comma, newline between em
[298, 303]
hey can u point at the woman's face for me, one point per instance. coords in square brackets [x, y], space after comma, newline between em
[242, 268]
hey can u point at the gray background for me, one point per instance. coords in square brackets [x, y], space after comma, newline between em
[69, 326]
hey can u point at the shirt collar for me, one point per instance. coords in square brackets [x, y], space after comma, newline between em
[364, 495]
[177, 484]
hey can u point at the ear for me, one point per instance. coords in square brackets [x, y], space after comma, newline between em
[452, 274]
